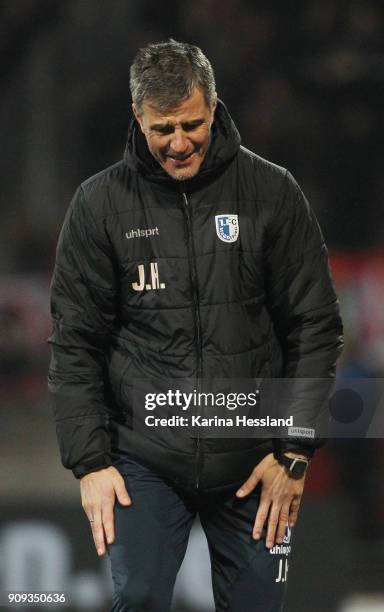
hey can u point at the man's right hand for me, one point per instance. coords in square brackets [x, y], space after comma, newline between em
[98, 492]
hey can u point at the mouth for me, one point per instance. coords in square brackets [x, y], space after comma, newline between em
[180, 161]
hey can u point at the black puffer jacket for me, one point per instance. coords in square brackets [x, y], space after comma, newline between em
[150, 291]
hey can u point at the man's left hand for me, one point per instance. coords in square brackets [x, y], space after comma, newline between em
[279, 501]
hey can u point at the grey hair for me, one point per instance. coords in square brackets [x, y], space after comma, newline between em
[167, 72]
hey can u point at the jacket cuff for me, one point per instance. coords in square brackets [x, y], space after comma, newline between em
[93, 465]
[293, 446]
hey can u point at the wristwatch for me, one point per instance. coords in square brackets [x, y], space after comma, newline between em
[296, 467]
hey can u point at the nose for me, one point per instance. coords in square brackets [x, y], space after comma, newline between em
[179, 142]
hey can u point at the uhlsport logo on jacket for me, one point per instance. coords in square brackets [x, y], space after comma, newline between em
[227, 227]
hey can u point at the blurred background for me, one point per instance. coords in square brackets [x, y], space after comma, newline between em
[303, 81]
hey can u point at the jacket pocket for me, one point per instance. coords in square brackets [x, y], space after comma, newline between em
[122, 380]
[118, 367]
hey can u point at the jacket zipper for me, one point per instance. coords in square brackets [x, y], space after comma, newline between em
[195, 292]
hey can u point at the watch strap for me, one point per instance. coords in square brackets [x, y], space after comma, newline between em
[289, 462]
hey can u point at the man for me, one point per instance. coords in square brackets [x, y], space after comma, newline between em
[191, 260]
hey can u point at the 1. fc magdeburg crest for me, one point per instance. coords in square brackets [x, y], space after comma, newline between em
[227, 227]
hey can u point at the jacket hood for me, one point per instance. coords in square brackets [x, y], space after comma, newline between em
[224, 145]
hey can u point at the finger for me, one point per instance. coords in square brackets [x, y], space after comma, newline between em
[283, 522]
[261, 517]
[88, 509]
[108, 522]
[273, 522]
[98, 533]
[122, 493]
[249, 484]
[294, 511]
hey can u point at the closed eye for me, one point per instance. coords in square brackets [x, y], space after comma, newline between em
[188, 127]
[164, 129]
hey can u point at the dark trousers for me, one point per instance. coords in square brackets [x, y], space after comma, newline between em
[151, 538]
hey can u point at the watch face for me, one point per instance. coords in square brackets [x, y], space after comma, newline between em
[298, 468]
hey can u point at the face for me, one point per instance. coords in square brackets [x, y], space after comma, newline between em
[178, 138]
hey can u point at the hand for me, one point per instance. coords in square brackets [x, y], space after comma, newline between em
[280, 498]
[98, 491]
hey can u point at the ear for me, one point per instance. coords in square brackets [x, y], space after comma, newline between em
[138, 117]
[214, 102]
